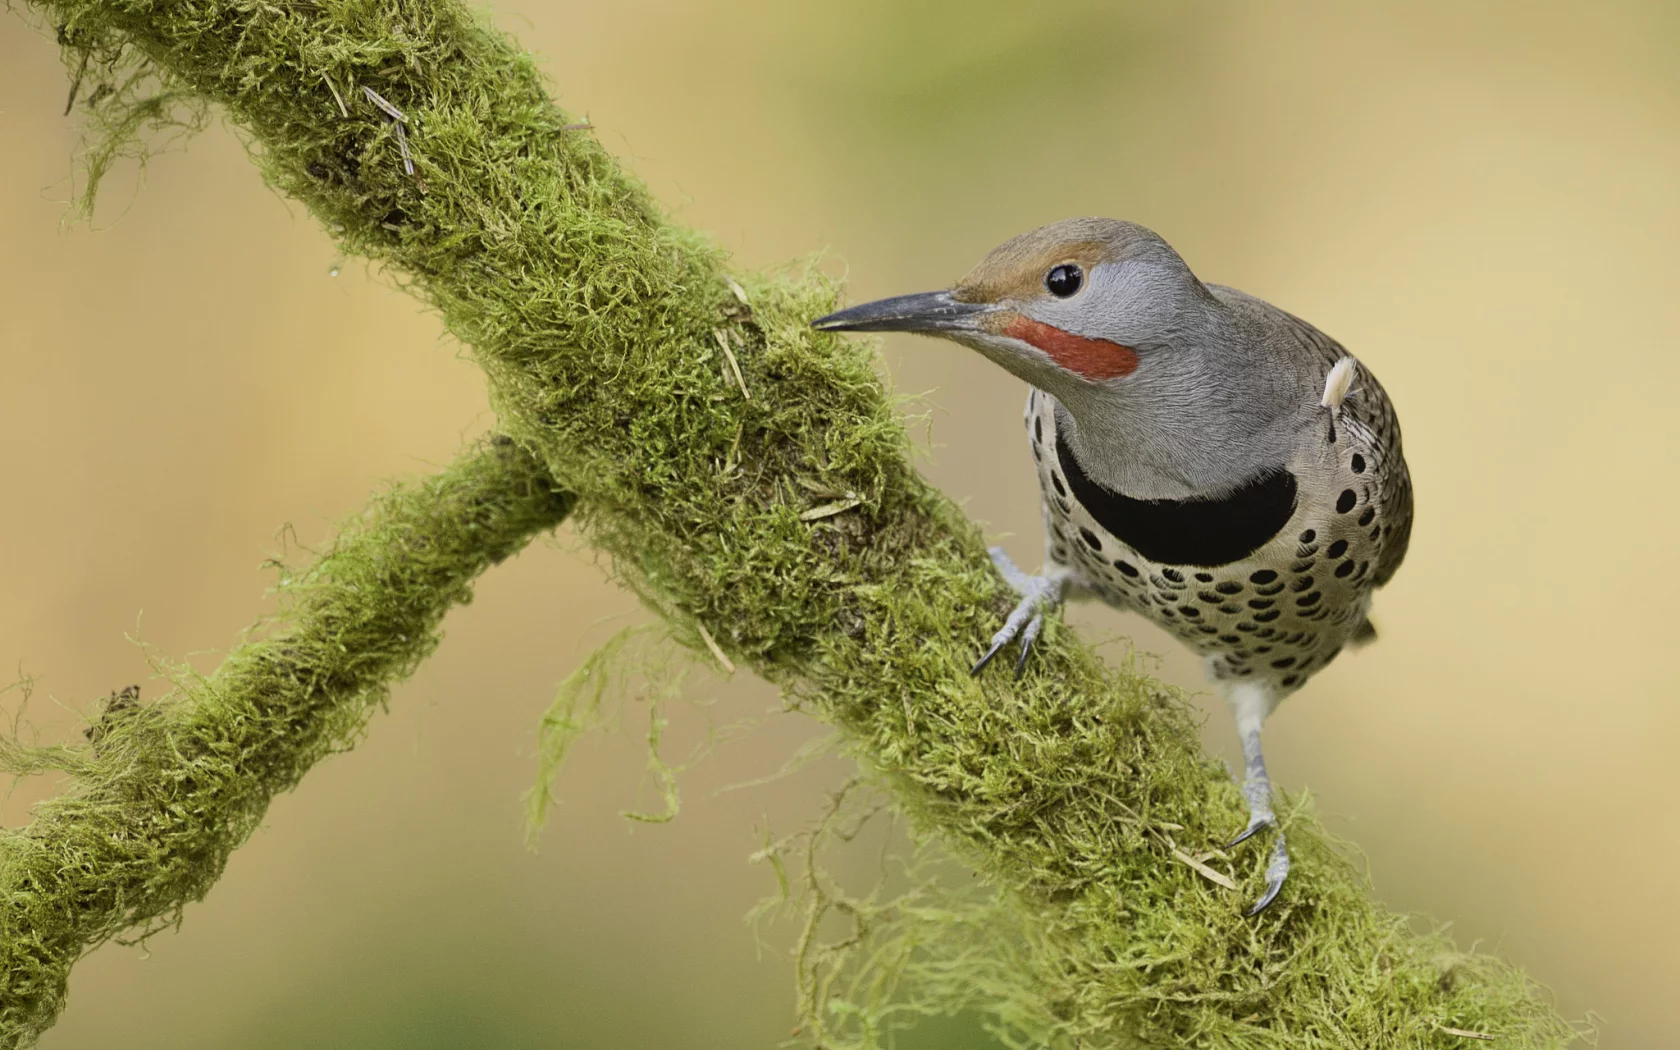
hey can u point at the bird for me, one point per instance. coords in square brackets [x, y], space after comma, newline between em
[1205, 458]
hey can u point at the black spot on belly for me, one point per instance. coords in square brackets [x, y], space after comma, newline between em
[1090, 539]
[1336, 550]
[1187, 532]
[1345, 501]
[1126, 567]
[1367, 517]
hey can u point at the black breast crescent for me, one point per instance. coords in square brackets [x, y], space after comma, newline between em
[1188, 532]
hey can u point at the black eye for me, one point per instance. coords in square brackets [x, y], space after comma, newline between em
[1064, 280]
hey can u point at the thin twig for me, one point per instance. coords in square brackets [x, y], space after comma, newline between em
[734, 366]
[828, 510]
[402, 144]
[342, 108]
[1218, 878]
[711, 643]
[379, 100]
[1464, 1033]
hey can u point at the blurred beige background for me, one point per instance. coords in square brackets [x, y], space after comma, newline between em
[1482, 205]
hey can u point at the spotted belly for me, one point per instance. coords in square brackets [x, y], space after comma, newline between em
[1279, 612]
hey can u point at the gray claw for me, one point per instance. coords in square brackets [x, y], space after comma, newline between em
[1276, 872]
[1026, 620]
[1034, 626]
[1266, 898]
[1255, 826]
[996, 648]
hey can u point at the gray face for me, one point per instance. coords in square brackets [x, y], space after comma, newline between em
[1140, 303]
[1170, 393]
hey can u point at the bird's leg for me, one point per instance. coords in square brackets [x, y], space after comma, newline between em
[1038, 595]
[1251, 703]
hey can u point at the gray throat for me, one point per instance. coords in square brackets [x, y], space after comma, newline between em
[1171, 462]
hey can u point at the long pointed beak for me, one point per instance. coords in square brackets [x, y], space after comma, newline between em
[922, 312]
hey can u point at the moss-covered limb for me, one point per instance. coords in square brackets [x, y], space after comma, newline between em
[164, 792]
[791, 526]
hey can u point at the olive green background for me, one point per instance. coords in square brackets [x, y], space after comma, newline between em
[1481, 204]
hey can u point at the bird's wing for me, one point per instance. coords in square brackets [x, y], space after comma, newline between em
[1368, 415]
[1371, 422]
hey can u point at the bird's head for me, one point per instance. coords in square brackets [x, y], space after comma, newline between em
[1105, 316]
[1077, 304]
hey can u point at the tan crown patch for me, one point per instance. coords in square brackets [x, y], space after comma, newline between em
[1015, 269]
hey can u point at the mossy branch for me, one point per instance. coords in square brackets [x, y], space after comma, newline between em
[164, 792]
[790, 525]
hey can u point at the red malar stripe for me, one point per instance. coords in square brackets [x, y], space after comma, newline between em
[1093, 359]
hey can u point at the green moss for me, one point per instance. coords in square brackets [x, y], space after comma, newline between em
[162, 793]
[637, 662]
[1072, 792]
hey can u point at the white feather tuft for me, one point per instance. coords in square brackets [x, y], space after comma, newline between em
[1338, 383]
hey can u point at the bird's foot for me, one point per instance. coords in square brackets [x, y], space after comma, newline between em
[1260, 816]
[1038, 595]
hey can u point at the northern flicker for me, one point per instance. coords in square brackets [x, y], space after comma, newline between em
[1206, 459]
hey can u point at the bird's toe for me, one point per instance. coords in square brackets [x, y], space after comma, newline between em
[1257, 823]
[1276, 872]
[1272, 889]
[1009, 570]
[1034, 626]
[985, 659]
